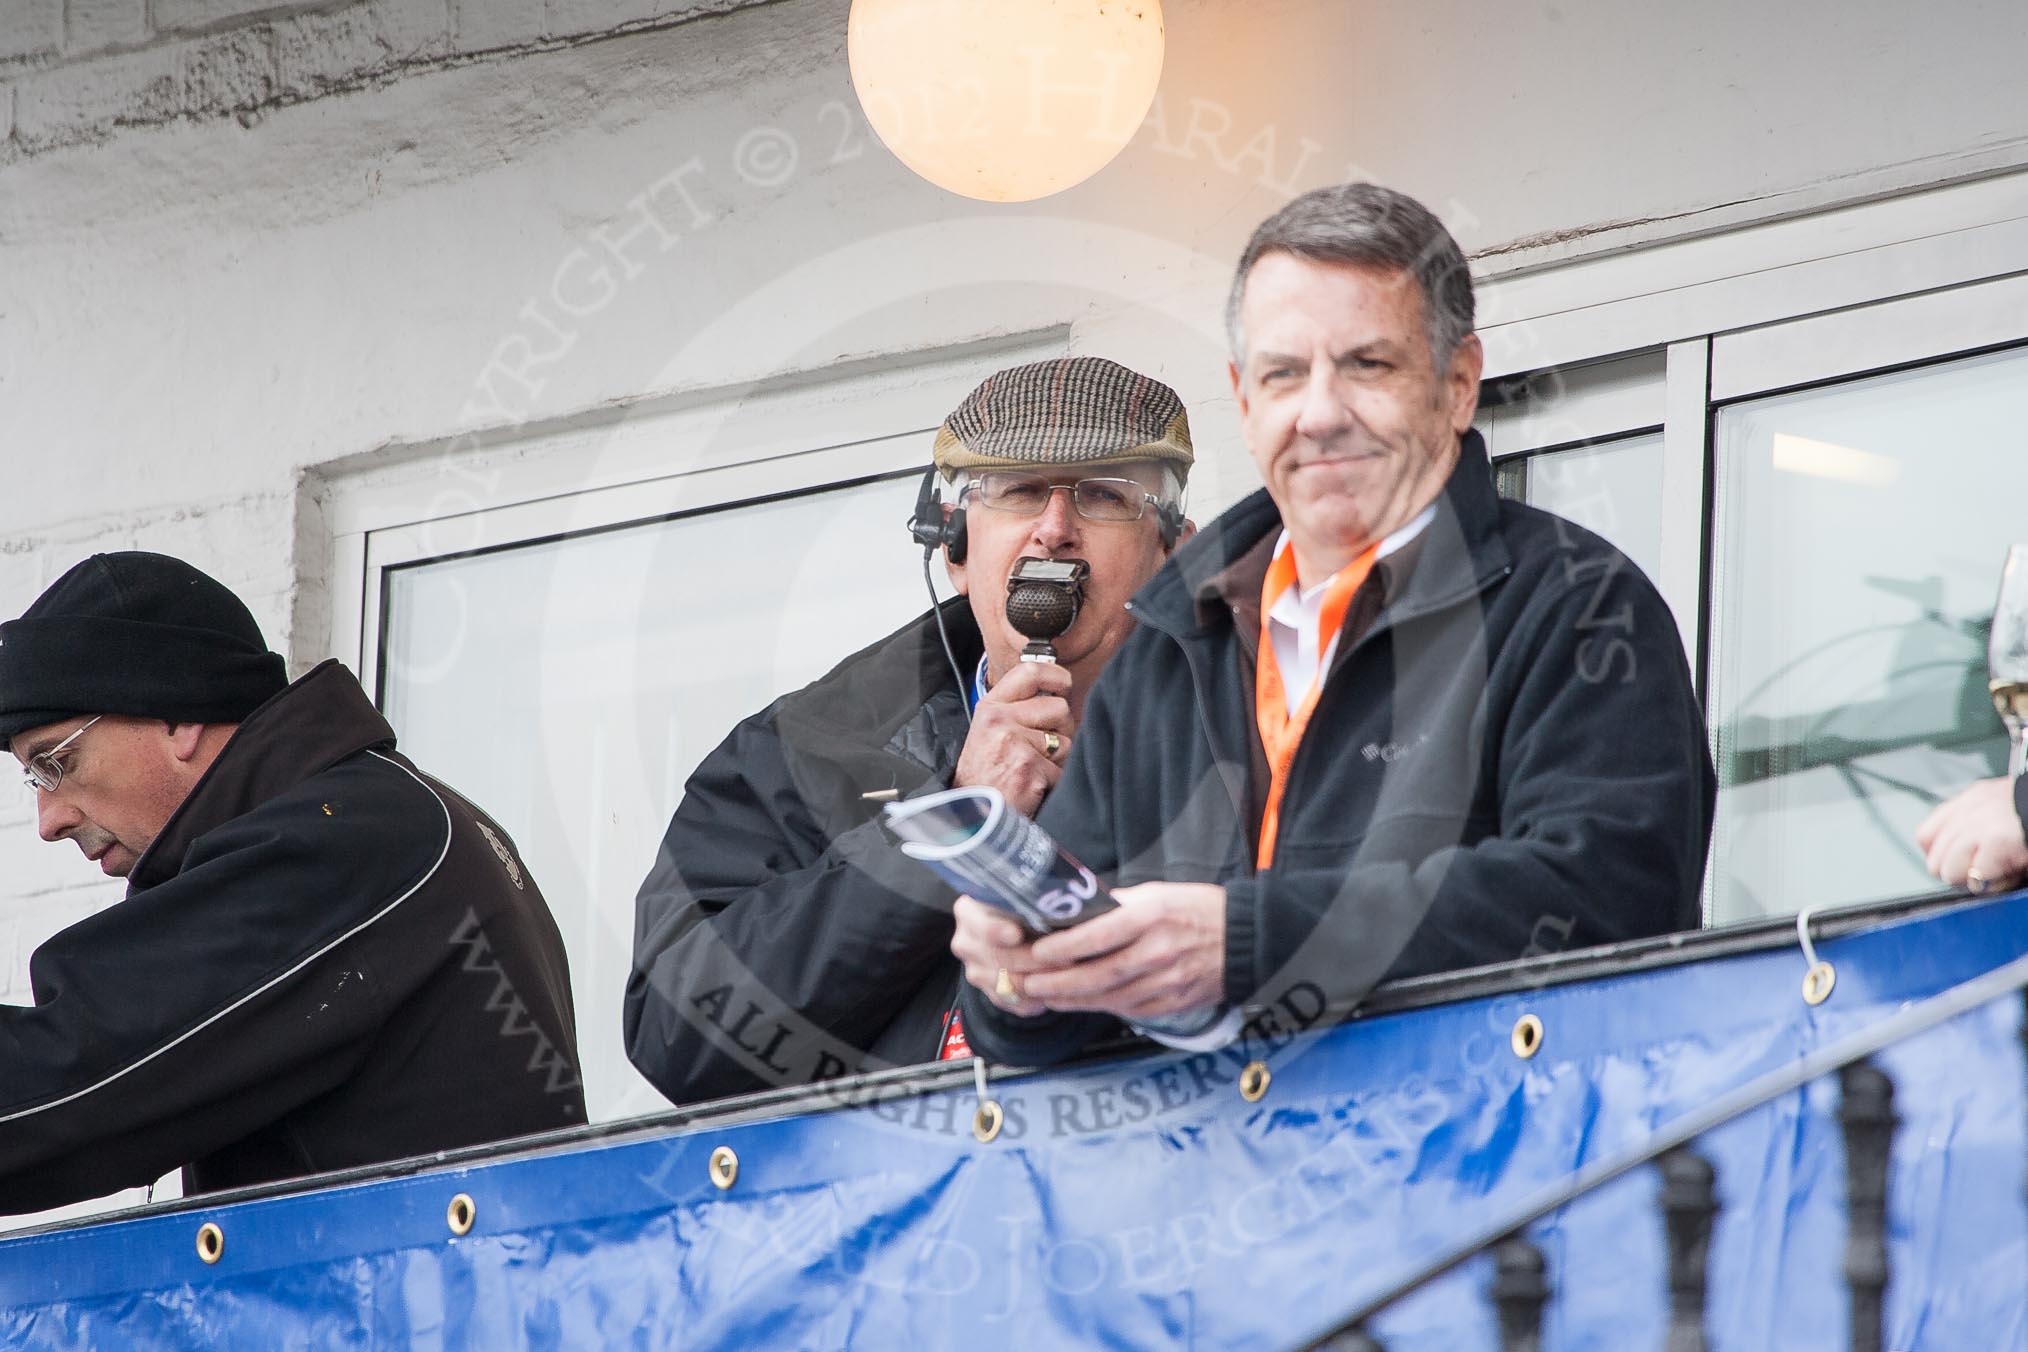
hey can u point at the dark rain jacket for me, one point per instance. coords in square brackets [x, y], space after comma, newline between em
[781, 937]
[1508, 759]
[325, 959]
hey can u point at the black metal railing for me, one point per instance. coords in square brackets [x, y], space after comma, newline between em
[1522, 1284]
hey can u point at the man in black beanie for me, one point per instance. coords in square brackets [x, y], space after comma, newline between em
[324, 958]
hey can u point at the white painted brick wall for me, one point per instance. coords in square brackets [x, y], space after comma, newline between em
[83, 70]
[173, 16]
[30, 28]
[93, 25]
[483, 25]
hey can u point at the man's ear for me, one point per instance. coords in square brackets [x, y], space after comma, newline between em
[1238, 389]
[1183, 536]
[1468, 363]
[185, 739]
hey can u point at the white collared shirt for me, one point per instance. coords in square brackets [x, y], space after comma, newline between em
[1296, 621]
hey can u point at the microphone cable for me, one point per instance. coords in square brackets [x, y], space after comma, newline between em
[943, 634]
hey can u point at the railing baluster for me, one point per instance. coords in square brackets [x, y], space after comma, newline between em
[1867, 1115]
[1520, 1289]
[1689, 1206]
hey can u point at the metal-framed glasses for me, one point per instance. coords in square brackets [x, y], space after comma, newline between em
[1023, 494]
[45, 771]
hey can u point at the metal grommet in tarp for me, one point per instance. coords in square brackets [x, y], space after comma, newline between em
[1818, 983]
[1253, 1081]
[1820, 977]
[210, 1242]
[1527, 1036]
[724, 1167]
[460, 1214]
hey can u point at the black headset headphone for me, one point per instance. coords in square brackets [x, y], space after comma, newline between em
[928, 524]
[932, 529]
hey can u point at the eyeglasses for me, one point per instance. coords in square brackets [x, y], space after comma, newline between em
[1095, 499]
[45, 771]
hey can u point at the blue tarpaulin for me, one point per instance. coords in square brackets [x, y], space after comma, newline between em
[1144, 1203]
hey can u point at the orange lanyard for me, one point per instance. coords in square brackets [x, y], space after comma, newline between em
[1280, 731]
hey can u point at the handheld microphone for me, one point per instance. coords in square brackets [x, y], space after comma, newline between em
[1043, 598]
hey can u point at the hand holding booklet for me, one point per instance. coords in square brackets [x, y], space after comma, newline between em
[976, 842]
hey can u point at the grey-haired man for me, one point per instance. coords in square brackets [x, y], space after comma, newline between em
[780, 937]
[1374, 721]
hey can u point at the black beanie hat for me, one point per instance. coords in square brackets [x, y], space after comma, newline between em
[139, 634]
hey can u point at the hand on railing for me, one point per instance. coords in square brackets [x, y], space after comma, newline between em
[1977, 839]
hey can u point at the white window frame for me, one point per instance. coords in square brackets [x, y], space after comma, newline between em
[654, 460]
[1833, 293]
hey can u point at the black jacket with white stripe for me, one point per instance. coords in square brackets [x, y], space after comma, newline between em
[326, 959]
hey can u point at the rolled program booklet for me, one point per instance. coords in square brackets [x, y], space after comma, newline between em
[978, 844]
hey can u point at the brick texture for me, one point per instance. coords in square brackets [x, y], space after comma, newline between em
[30, 28]
[176, 16]
[483, 25]
[232, 58]
[93, 25]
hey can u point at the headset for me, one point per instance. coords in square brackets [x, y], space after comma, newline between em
[931, 529]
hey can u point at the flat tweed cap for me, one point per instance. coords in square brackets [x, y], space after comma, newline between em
[1070, 411]
[138, 634]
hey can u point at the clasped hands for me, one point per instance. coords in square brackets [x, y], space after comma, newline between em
[1161, 953]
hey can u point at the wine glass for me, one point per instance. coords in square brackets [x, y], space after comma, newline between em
[2007, 656]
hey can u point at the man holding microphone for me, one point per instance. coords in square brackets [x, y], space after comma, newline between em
[780, 937]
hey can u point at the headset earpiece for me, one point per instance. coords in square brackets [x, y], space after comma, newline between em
[1169, 519]
[930, 528]
[955, 538]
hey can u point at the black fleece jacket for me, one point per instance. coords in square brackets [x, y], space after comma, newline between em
[326, 959]
[781, 937]
[1509, 759]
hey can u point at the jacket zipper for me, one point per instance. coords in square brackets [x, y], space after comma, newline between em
[1383, 624]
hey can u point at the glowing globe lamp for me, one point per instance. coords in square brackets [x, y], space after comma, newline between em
[1005, 100]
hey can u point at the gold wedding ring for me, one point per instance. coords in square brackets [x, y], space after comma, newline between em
[1003, 985]
[1051, 744]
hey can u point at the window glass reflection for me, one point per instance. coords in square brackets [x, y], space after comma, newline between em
[1859, 531]
[1613, 488]
[570, 687]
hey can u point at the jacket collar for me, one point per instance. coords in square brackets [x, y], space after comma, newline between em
[869, 693]
[316, 722]
[1462, 554]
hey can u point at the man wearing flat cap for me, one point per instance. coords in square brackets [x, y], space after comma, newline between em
[780, 937]
[324, 958]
